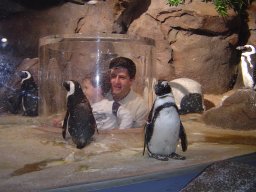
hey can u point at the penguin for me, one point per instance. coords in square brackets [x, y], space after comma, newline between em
[79, 121]
[248, 66]
[164, 127]
[28, 94]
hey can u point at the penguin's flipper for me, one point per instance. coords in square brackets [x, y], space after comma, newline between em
[30, 102]
[151, 112]
[254, 75]
[64, 126]
[146, 135]
[183, 138]
[144, 147]
[148, 129]
[64, 134]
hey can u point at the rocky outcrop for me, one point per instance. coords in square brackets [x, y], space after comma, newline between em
[126, 11]
[237, 111]
[192, 41]
[251, 24]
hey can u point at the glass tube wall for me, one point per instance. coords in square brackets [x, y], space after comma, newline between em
[71, 57]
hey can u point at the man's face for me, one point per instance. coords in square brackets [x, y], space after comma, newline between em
[120, 83]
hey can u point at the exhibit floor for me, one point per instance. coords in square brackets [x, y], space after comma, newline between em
[34, 156]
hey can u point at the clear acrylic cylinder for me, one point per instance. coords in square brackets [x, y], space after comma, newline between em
[71, 57]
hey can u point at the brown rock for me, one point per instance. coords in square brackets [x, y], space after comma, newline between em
[238, 111]
[252, 23]
[193, 42]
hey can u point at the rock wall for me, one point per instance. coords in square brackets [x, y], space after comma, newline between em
[237, 111]
[251, 24]
[192, 40]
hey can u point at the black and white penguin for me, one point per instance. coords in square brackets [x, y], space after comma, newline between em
[248, 66]
[79, 121]
[164, 127]
[28, 94]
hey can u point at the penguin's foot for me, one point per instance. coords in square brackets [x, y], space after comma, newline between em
[158, 157]
[176, 156]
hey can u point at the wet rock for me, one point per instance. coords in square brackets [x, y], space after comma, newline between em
[224, 176]
[237, 111]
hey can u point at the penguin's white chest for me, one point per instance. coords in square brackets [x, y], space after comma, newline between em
[246, 73]
[165, 132]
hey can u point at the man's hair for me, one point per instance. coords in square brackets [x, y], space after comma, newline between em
[124, 63]
[100, 79]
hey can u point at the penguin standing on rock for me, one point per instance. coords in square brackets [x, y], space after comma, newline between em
[28, 94]
[248, 66]
[164, 128]
[79, 120]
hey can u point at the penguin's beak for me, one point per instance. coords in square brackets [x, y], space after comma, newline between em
[66, 85]
[242, 48]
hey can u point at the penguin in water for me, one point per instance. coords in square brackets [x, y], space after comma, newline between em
[28, 94]
[248, 66]
[164, 127]
[79, 121]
